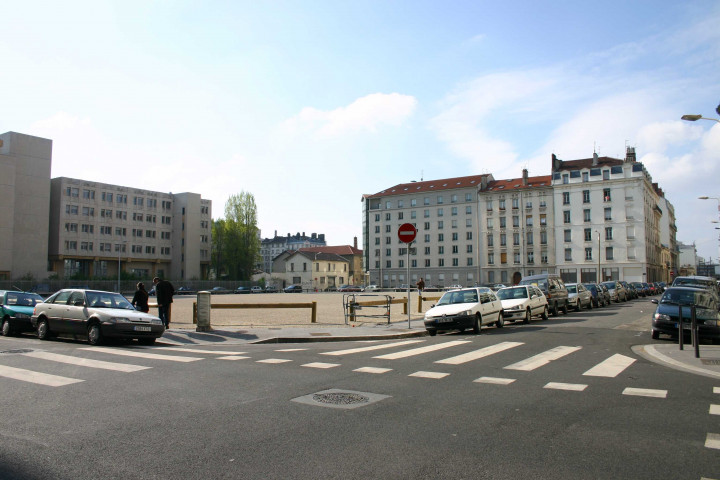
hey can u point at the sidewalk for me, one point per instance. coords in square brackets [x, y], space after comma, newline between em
[668, 354]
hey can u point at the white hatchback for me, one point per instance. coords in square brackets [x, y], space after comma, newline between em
[523, 302]
[464, 308]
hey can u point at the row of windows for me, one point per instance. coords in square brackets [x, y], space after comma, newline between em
[606, 196]
[440, 212]
[72, 245]
[529, 239]
[413, 251]
[119, 231]
[589, 254]
[119, 198]
[426, 201]
[587, 215]
[516, 258]
[586, 175]
[516, 221]
[514, 203]
[428, 263]
[427, 238]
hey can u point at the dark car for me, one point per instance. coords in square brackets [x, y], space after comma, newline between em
[639, 288]
[553, 288]
[220, 291]
[598, 296]
[271, 289]
[95, 315]
[666, 317]
[243, 290]
[16, 308]
[349, 288]
[293, 289]
[630, 290]
[182, 291]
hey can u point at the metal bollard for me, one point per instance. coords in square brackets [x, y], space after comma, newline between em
[694, 333]
[680, 327]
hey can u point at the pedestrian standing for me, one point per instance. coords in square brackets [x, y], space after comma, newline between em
[164, 292]
[421, 285]
[140, 300]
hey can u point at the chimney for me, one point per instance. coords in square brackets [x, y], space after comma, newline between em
[355, 242]
[630, 154]
[595, 159]
[525, 177]
[483, 182]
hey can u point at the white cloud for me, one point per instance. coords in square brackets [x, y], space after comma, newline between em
[367, 113]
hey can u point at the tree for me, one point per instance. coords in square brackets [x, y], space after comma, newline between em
[236, 242]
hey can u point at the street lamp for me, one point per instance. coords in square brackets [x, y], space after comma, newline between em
[695, 118]
[599, 270]
[120, 245]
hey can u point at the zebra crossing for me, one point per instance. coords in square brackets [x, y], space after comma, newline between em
[397, 351]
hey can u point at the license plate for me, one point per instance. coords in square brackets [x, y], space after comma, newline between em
[444, 320]
[138, 328]
[686, 326]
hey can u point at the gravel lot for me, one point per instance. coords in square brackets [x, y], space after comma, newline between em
[330, 309]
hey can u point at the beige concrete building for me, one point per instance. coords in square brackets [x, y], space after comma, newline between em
[97, 228]
[24, 205]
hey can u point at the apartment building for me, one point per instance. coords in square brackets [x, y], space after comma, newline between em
[97, 228]
[516, 228]
[609, 221]
[25, 163]
[445, 214]
[272, 247]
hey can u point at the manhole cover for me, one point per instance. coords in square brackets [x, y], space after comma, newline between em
[710, 362]
[336, 398]
[19, 350]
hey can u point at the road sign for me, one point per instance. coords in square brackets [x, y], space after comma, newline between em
[407, 232]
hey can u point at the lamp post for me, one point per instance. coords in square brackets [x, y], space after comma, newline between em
[599, 269]
[714, 221]
[695, 118]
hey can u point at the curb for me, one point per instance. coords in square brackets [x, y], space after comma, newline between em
[650, 352]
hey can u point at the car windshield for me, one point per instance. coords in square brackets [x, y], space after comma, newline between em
[541, 284]
[571, 288]
[459, 296]
[590, 287]
[107, 300]
[610, 285]
[688, 297]
[512, 293]
[23, 299]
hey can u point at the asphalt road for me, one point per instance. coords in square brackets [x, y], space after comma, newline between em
[558, 399]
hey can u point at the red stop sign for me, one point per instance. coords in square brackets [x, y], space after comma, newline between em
[407, 232]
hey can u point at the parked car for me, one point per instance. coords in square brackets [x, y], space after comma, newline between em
[95, 315]
[371, 288]
[183, 291]
[243, 290]
[523, 302]
[293, 289]
[598, 295]
[579, 296]
[220, 291]
[454, 287]
[631, 292]
[349, 288]
[639, 288]
[16, 308]
[465, 308]
[666, 317]
[617, 291]
[552, 286]
[271, 289]
[256, 289]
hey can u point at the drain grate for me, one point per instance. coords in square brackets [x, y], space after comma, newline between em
[336, 398]
[19, 350]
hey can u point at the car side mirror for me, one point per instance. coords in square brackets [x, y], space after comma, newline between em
[654, 300]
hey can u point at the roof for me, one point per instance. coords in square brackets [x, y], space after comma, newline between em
[337, 250]
[585, 163]
[314, 256]
[432, 185]
[517, 183]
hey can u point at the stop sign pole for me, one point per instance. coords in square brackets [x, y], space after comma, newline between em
[407, 233]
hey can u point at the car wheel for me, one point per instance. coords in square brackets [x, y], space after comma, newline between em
[655, 335]
[555, 310]
[527, 316]
[7, 329]
[94, 334]
[43, 330]
[432, 333]
[477, 325]
[565, 308]
[146, 341]
[545, 313]
[500, 321]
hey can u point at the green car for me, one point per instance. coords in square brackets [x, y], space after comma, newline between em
[16, 309]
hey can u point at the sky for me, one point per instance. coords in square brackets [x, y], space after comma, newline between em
[308, 105]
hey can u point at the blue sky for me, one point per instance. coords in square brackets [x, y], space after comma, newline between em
[308, 105]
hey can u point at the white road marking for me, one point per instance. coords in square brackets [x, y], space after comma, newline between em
[645, 392]
[137, 354]
[611, 367]
[542, 359]
[368, 349]
[421, 350]
[372, 370]
[483, 352]
[36, 377]
[274, 360]
[233, 357]
[192, 350]
[713, 440]
[291, 350]
[495, 380]
[433, 375]
[320, 365]
[716, 389]
[85, 362]
[574, 387]
[714, 409]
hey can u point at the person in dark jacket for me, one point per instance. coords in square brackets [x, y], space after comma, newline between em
[140, 300]
[164, 292]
